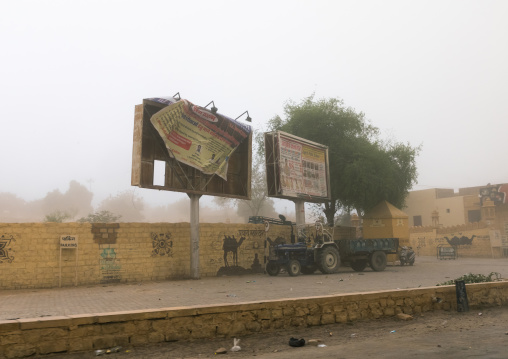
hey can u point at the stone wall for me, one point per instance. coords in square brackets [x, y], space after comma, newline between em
[27, 337]
[471, 240]
[126, 252]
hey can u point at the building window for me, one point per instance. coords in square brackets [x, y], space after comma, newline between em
[474, 216]
[417, 221]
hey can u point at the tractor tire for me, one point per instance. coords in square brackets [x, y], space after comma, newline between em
[272, 268]
[308, 269]
[359, 265]
[328, 260]
[378, 261]
[294, 268]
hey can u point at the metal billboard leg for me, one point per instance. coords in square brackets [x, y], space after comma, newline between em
[194, 232]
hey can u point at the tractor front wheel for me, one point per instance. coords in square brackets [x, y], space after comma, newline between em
[294, 267]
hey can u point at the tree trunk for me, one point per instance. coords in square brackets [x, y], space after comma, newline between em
[330, 209]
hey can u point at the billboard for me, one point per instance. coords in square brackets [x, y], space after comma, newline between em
[204, 152]
[296, 168]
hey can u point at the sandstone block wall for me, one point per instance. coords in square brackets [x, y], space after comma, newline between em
[471, 240]
[125, 252]
[27, 337]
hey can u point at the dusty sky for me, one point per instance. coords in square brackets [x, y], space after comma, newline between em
[425, 72]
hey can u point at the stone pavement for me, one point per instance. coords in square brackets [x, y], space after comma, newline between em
[427, 271]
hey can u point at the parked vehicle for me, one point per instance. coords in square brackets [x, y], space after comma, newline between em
[407, 256]
[323, 253]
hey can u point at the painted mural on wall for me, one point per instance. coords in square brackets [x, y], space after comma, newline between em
[162, 244]
[6, 251]
[110, 267]
[239, 252]
[460, 241]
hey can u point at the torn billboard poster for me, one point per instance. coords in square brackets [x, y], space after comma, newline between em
[198, 137]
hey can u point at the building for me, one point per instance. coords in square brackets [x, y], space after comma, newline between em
[446, 217]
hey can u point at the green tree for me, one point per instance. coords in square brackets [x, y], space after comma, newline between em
[363, 169]
[57, 217]
[100, 217]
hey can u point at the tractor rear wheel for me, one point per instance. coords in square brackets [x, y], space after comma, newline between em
[272, 268]
[328, 260]
[294, 268]
[378, 261]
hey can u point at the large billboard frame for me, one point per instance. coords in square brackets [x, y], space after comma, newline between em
[304, 171]
[148, 147]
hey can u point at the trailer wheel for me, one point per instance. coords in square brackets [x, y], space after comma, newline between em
[378, 261]
[328, 260]
[308, 269]
[294, 267]
[359, 265]
[272, 268]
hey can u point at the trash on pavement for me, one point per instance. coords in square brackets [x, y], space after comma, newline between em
[236, 347]
[221, 351]
[321, 345]
[404, 316]
[296, 342]
[314, 342]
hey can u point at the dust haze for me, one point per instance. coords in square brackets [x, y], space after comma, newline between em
[76, 203]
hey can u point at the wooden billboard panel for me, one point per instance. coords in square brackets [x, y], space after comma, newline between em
[148, 147]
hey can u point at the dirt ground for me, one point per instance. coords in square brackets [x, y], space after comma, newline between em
[475, 334]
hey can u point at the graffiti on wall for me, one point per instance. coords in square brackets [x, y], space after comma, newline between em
[6, 252]
[238, 249]
[162, 244]
[110, 266]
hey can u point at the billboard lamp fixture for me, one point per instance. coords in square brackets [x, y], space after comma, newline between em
[213, 109]
[248, 119]
[177, 94]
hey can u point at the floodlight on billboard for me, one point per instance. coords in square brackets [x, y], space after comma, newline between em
[204, 151]
[296, 168]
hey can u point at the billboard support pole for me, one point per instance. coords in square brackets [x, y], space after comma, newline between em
[194, 232]
[300, 213]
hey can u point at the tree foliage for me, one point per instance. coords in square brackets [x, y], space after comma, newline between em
[100, 217]
[363, 169]
[57, 217]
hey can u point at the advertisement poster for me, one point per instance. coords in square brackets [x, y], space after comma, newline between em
[302, 169]
[199, 138]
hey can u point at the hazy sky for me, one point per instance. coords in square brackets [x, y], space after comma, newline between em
[425, 72]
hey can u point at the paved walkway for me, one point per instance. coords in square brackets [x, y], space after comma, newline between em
[427, 271]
